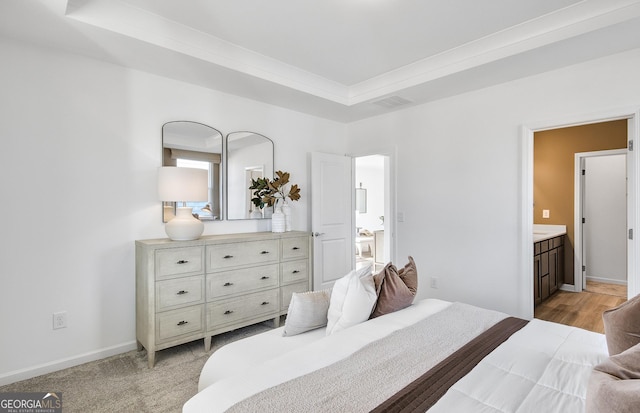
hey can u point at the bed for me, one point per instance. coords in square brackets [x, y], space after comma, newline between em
[366, 346]
[542, 367]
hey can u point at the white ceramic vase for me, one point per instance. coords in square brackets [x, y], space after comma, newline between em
[277, 220]
[286, 210]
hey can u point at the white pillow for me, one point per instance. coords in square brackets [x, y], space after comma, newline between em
[352, 300]
[307, 311]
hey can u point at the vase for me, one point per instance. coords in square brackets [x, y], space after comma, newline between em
[286, 210]
[277, 220]
[256, 214]
[267, 211]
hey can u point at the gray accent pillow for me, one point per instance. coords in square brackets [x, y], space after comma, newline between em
[307, 311]
[622, 326]
[614, 385]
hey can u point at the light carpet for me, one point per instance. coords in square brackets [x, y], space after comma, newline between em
[124, 383]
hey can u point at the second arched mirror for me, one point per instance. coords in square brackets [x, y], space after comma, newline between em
[249, 156]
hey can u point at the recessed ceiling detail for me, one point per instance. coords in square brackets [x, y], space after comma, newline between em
[332, 58]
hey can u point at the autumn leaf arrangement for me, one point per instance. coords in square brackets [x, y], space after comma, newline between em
[267, 192]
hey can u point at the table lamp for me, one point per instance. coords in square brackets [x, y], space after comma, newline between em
[176, 184]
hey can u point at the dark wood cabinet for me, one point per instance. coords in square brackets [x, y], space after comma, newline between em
[548, 267]
[536, 279]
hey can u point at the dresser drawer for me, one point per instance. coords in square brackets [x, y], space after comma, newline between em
[234, 310]
[179, 292]
[233, 282]
[182, 322]
[242, 253]
[295, 248]
[287, 291]
[179, 262]
[294, 271]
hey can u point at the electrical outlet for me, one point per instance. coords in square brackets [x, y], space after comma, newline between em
[434, 282]
[59, 320]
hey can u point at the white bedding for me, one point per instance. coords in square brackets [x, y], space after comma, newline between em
[543, 367]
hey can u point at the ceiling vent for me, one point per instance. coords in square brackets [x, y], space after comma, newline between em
[392, 102]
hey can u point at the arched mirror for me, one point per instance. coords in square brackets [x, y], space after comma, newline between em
[195, 145]
[249, 156]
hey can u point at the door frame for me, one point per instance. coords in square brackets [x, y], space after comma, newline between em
[578, 203]
[526, 219]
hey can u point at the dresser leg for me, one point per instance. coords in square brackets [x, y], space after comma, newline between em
[276, 322]
[207, 343]
[151, 357]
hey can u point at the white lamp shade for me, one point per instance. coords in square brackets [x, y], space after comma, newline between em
[177, 184]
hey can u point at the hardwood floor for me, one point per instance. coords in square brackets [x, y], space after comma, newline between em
[583, 309]
[604, 288]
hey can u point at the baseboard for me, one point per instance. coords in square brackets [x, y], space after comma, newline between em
[606, 280]
[18, 375]
[568, 287]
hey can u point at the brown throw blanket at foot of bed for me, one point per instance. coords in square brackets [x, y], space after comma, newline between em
[425, 391]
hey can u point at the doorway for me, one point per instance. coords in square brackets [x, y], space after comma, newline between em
[333, 210]
[630, 118]
[371, 211]
[601, 224]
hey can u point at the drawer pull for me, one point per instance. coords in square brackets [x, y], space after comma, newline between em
[264, 277]
[226, 257]
[182, 262]
[264, 252]
[295, 271]
[227, 284]
[228, 312]
[265, 303]
[181, 292]
[295, 248]
[181, 323]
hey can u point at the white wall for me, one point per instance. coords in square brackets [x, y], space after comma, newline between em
[81, 141]
[459, 174]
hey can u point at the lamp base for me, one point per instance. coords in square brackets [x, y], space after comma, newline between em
[184, 227]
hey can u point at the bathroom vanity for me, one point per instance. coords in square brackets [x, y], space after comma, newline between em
[548, 260]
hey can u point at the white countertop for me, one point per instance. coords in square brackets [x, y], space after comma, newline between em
[542, 232]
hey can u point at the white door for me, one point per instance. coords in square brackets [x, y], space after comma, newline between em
[331, 217]
[605, 219]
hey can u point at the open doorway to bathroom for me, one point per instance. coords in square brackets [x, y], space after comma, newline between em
[372, 211]
[559, 157]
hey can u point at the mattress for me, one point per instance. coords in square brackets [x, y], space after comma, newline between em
[543, 367]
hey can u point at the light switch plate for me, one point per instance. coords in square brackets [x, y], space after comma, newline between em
[545, 213]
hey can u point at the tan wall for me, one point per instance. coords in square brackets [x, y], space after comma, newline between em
[553, 173]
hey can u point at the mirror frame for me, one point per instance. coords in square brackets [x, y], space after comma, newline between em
[222, 179]
[268, 174]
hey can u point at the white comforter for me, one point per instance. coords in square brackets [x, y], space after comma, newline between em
[542, 368]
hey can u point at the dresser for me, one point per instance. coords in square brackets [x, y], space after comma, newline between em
[190, 290]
